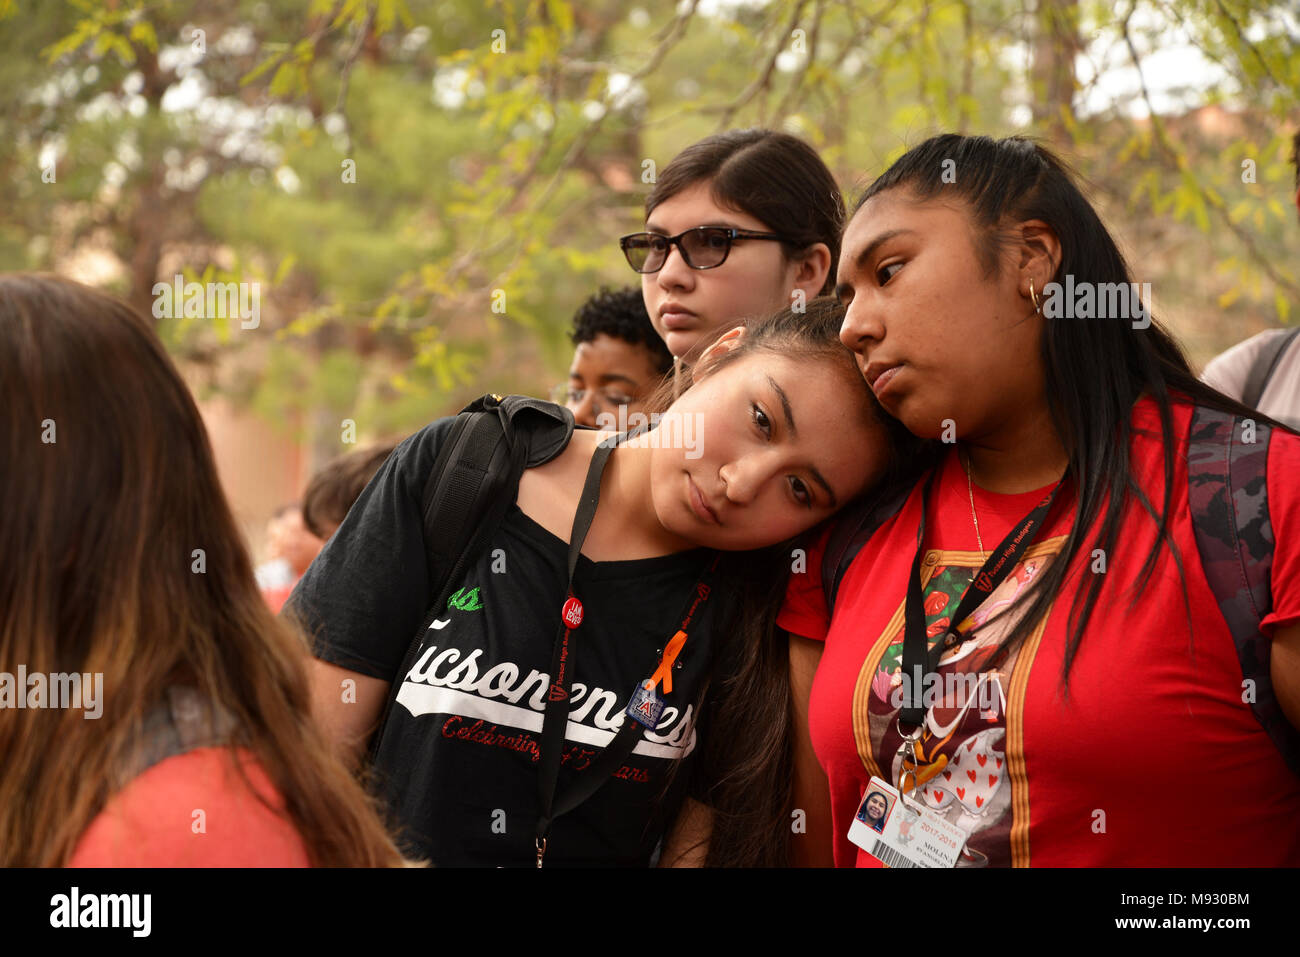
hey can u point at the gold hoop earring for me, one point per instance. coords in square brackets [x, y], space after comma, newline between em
[1034, 296]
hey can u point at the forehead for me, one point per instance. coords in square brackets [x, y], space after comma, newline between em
[695, 206]
[898, 209]
[605, 354]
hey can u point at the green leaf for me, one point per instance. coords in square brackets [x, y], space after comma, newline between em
[143, 33]
[261, 68]
[284, 80]
[283, 269]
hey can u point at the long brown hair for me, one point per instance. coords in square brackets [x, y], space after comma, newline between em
[121, 557]
[746, 761]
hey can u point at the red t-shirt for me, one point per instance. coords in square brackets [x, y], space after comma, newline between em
[1152, 759]
[155, 821]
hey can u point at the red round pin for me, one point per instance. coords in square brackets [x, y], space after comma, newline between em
[572, 613]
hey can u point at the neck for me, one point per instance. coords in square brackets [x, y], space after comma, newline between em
[626, 510]
[1021, 457]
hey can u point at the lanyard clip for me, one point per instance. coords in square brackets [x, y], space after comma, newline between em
[907, 751]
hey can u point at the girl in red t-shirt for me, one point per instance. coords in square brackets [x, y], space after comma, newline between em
[1077, 709]
[1091, 692]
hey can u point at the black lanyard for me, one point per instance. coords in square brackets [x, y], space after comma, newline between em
[917, 652]
[561, 676]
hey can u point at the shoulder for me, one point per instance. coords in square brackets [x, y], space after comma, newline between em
[849, 538]
[194, 810]
[1229, 370]
[416, 453]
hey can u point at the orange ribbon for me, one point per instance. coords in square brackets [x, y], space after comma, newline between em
[665, 670]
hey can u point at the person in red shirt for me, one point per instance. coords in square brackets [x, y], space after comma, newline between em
[1082, 710]
[153, 712]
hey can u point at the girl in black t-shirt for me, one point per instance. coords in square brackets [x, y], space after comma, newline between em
[777, 433]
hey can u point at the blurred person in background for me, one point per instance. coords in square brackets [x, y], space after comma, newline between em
[125, 569]
[292, 546]
[333, 489]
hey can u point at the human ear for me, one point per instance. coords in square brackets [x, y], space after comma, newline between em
[721, 346]
[1039, 255]
[811, 270]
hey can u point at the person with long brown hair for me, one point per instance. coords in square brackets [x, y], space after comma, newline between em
[482, 752]
[153, 712]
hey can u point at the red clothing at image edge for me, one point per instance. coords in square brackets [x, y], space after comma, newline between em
[1152, 760]
[152, 821]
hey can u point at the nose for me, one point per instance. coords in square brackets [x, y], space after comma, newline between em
[584, 412]
[743, 478]
[862, 326]
[675, 274]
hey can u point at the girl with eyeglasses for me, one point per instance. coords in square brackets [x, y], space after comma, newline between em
[738, 226]
[1090, 607]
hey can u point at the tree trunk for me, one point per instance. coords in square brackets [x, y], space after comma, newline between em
[1052, 79]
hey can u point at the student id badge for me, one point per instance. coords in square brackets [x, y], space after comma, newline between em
[903, 833]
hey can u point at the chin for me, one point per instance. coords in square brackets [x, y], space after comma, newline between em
[683, 345]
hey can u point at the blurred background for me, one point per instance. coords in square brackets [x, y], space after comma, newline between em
[424, 192]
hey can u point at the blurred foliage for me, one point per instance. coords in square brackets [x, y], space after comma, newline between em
[387, 170]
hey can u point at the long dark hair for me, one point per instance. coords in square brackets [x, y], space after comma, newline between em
[1095, 370]
[110, 491]
[746, 764]
[774, 177]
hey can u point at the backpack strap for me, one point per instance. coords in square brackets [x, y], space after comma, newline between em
[1261, 371]
[850, 532]
[472, 484]
[475, 477]
[1227, 491]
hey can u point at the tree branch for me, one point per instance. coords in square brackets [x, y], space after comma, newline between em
[728, 111]
[1166, 147]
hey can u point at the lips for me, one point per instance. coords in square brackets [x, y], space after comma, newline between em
[880, 374]
[675, 316]
[698, 504]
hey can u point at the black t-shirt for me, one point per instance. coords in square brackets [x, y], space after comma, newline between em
[457, 760]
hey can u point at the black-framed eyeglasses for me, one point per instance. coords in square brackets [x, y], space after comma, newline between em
[704, 247]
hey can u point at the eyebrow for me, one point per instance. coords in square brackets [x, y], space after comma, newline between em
[719, 224]
[607, 378]
[870, 251]
[789, 424]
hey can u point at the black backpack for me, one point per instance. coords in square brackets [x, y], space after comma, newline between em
[473, 483]
[1227, 492]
